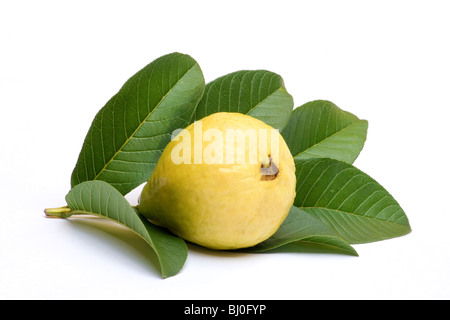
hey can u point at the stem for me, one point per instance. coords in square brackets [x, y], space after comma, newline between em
[62, 212]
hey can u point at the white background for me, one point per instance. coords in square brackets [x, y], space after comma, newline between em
[60, 61]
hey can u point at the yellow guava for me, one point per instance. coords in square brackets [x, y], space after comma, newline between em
[225, 182]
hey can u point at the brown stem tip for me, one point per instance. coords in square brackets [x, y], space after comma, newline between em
[269, 172]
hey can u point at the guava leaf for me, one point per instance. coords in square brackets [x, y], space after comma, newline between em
[258, 93]
[130, 132]
[303, 228]
[319, 129]
[357, 207]
[101, 199]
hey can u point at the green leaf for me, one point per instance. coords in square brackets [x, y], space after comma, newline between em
[258, 93]
[101, 199]
[130, 132]
[357, 207]
[303, 228]
[319, 129]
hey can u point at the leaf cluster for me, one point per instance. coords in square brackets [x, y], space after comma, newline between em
[337, 205]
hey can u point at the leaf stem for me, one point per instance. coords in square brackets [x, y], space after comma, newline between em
[61, 212]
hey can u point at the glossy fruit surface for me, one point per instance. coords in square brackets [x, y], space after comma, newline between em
[225, 182]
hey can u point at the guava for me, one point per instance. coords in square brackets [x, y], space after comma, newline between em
[218, 186]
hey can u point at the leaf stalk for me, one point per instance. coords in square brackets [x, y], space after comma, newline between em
[61, 212]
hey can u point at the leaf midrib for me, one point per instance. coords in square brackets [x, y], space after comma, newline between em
[329, 137]
[354, 214]
[142, 123]
[267, 97]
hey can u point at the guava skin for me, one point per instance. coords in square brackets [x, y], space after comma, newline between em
[222, 206]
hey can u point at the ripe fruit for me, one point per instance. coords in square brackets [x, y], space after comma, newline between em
[225, 182]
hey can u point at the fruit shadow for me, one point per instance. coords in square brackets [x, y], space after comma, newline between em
[128, 246]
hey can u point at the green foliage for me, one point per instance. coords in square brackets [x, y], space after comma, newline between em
[358, 208]
[130, 132]
[258, 93]
[319, 129]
